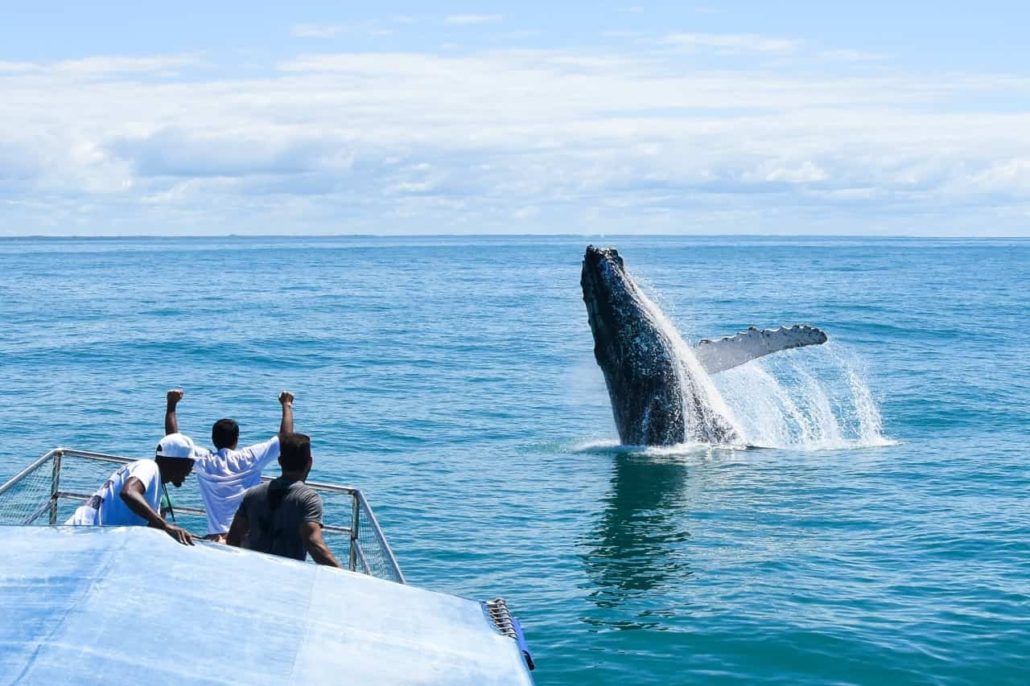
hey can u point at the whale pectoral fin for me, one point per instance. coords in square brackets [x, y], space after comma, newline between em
[733, 351]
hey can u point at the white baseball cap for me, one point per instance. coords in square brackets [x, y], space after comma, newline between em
[175, 445]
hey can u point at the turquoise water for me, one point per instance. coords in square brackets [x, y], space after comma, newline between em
[885, 538]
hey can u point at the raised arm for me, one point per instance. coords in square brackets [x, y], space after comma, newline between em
[311, 534]
[133, 496]
[171, 421]
[286, 400]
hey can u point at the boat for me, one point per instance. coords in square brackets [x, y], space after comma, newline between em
[115, 605]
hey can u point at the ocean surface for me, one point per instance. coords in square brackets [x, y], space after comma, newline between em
[879, 534]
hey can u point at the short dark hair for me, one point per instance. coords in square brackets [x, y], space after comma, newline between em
[294, 451]
[225, 433]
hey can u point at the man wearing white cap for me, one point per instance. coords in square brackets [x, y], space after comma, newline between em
[225, 474]
[131, 496]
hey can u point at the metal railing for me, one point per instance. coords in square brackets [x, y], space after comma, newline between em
[59, 481]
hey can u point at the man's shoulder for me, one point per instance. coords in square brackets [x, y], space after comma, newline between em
[142, 469]
[264, 445]
[258, 490]
[201, 453]
[301, 491]
[202, 457]
[296, 490]
[302, 487]
[255, 494]
[266, 448]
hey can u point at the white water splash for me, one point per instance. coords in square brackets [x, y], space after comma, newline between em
[610, 446]
[810, 399]
[869, 423]
[703, 405]
[803, 399]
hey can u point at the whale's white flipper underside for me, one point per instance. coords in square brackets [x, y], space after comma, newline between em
[732, 351]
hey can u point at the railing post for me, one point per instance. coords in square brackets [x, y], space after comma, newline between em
[55, 484]
[355, 517]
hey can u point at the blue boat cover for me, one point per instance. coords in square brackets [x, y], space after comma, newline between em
[130, 605]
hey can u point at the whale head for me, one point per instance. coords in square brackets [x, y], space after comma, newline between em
[634, 354]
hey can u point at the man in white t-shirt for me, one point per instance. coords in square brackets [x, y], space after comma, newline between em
[132, 495]
[225, 474]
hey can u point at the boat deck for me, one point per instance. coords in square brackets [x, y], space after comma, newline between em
[129, 605]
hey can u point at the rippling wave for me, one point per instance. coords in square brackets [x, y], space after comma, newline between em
[880, 535]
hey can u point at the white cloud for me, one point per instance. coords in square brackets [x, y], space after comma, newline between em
[803, 172]
[10, 67]
[524, 213]
[1011, 176]
[731, 42]
[530, 139]
[105, 65]
[470, 19]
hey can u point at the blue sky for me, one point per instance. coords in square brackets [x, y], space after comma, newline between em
[402, 117]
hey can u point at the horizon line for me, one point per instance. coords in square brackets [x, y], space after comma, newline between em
[510, 235]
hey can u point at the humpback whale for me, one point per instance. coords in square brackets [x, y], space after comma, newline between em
[659, 387]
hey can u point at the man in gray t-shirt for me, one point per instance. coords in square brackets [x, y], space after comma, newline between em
[284, 516]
